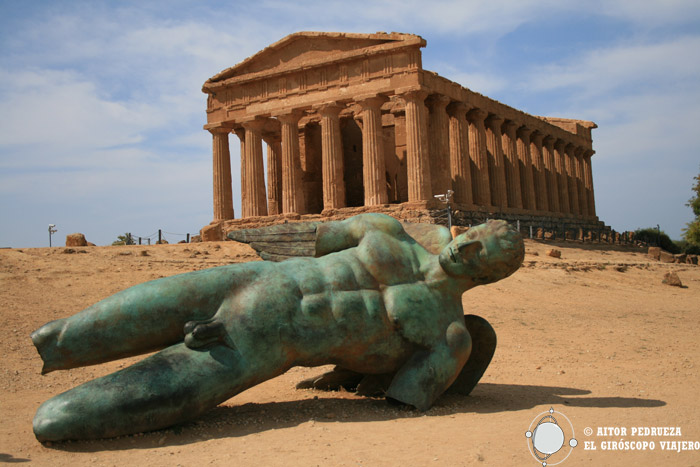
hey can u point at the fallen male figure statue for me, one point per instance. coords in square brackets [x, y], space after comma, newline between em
[373, 301]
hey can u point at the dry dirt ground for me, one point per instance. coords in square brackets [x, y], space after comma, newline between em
[594, 335]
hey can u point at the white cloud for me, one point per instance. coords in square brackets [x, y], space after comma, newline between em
[64, 113]
[622, 68]
[650, 13]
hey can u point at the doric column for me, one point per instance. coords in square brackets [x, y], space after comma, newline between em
[538, 171]
[479, 157]
[274, 175]
[510, 153]
[439, 142]
[571, 179]
[460, 172]
[417, 162]
[588, 177]
[527, 182]
[254, 175]
[551, 178]
[332, 156]
[560, 164]
[223, 198]
[292, 194]
[497, 174]
[373, 165]
[240, 132]
[580, 181]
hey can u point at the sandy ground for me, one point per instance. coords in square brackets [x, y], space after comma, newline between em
[595, 336]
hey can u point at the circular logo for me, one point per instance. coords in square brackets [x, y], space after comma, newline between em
[546, 437]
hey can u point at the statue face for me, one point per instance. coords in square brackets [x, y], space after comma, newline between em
[485, 253]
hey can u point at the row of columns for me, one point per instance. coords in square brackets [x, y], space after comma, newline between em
[485, 159]
[516, 167]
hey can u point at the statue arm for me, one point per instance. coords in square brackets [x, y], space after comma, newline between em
[428, 373]
[341, 235]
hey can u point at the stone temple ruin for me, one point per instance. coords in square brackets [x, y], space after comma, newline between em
[353, 123]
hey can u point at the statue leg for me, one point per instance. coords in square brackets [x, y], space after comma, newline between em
[143, 318]
[172, 386]
[483, 347]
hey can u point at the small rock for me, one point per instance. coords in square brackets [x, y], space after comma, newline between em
[144, 253]
[68, 251]
[671, 278]
[554, 253]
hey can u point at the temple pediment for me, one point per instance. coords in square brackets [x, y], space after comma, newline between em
[308, 49]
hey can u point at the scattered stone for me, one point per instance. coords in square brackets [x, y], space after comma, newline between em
[654, 252]
[554, 253]
[68, 251]
[621, 268]
[144, 253]
[691, 259]
[671, 278]
[76, 239]
[681, 258]
[666, 257]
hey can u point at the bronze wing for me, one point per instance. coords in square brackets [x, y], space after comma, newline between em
[291, 240]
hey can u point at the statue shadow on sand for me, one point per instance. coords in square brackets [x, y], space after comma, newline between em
[251, 418]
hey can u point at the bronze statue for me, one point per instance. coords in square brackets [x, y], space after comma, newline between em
[374, 302]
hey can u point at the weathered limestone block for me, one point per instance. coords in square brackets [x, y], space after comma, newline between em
[680, 258]
[666, 257]
[76, 239]
[654, 252]
[212, 233]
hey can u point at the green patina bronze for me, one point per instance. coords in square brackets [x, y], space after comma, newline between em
[373, 301]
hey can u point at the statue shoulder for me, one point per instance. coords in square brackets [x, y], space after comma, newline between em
[377, 221]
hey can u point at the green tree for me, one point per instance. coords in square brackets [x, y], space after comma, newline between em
[125, 239]
[691, 233]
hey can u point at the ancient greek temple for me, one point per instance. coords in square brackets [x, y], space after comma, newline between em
[353, 120]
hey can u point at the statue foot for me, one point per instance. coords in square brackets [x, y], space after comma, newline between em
[45, 340]
[374, 385]
[332, 380]
[202, 333]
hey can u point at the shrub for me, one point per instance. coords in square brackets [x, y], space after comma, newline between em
[652, 236]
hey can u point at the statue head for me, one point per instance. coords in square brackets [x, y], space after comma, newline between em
[485, 253]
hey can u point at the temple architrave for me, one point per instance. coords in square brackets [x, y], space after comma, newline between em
[353, 123]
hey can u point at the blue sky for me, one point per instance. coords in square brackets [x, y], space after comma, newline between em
[101, 109]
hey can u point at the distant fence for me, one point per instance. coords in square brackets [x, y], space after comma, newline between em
[158, 237]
